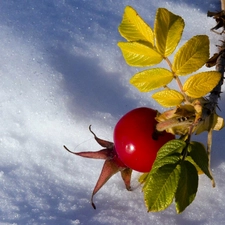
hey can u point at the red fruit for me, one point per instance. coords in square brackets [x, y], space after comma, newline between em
[136, 145]
[136, 140]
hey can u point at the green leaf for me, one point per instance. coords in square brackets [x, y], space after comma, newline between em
[169, 159]
[188, 158]
[171, 147]
[192, 55]
[168, 30]
[161, 186]
[168, 98]
[134, 28]
[139, 54]
[187, 186]
[200, 84]
[169, 153]
[151, 79]
[198, 153]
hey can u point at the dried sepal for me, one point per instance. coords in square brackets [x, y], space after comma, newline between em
[111, 166]
[101, 154]
[176, 121]
[220, 19]
[126, 176]
[108, 170]
[103, 143]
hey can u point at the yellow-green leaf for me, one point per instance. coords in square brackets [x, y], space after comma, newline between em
[151, 79]
[161, 186]
[137, 54]
[168, 98]
[168, 30]
[169, 153]
[134, 28]
[192, 55]
[200, 84]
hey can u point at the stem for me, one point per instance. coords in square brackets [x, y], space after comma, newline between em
[209, 148]
[222, 4]
[209, 143]
[177, 79]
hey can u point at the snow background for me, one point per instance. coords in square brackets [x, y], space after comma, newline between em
[61, 70]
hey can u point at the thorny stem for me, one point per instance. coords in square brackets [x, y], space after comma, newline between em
[213, 101]
[210, 107]
[177, 79]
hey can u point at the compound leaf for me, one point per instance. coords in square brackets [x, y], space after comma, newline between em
[139, 54]
[192, 55]
[168, 30]
[187, 186]
[151, 79]
[161, 186]
[134, 28]
[200, 84]
[168, 98]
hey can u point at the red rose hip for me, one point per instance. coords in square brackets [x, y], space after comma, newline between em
[136, 140]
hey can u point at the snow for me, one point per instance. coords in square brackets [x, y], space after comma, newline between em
[61, 70]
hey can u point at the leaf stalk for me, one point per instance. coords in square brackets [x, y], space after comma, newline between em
[177, 79]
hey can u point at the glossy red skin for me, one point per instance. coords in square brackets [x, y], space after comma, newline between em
[133, 139]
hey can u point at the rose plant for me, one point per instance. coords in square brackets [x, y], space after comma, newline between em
[144, 139]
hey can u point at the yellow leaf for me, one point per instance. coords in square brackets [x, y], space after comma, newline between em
[192, 55]
[134, 28]
[137, 54]
[200, 84]
[219, 123]
[151, 79]
[168, 98]
[168, 30]
[213, 121]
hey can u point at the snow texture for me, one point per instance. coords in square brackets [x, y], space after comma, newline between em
[61, 70]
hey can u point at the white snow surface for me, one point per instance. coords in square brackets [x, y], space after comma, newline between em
[61, 70]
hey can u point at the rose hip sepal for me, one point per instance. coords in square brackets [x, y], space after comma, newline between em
[111, 166]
